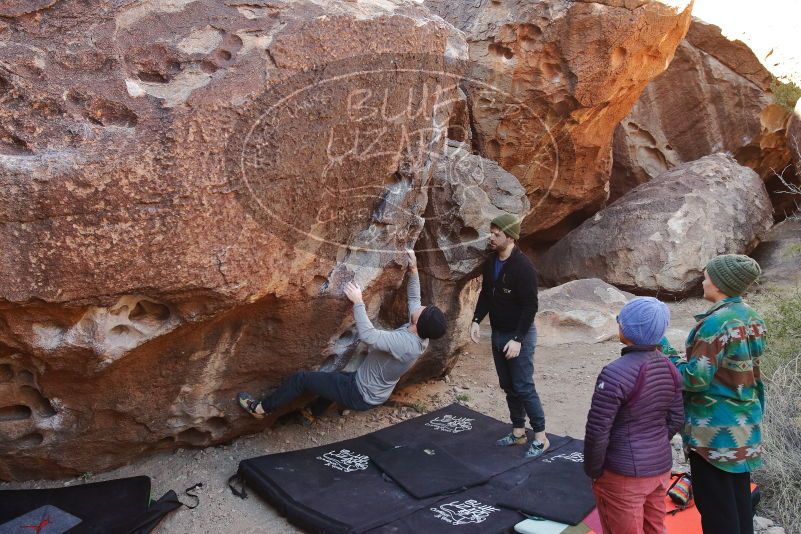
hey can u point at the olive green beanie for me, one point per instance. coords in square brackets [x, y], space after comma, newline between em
[509, 224]
[733, 273]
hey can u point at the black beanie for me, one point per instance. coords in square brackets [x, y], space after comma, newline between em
[431, 324]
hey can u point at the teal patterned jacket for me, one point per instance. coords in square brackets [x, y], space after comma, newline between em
[724, 397]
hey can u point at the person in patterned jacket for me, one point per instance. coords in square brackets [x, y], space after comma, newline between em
[724, 397]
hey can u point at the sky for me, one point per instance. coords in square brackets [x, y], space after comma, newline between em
[770, 27]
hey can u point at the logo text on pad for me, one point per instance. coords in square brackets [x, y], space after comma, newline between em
[449, 423]
[345, 460]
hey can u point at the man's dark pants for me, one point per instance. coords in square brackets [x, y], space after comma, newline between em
[336, 387]
[722, 498]
[516, 377]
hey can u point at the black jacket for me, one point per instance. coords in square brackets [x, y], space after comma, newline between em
[511, 301]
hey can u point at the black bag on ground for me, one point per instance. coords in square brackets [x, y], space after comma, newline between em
[119, 506]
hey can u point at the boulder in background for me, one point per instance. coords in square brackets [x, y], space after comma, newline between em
[658, 237]
[581, 311]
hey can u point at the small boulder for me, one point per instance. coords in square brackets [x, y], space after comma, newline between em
[582, 311]
[762, 523]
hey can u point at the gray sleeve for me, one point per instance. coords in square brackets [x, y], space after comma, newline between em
[392, 342]
[413, 292]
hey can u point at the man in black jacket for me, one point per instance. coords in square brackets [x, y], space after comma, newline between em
[509, 295]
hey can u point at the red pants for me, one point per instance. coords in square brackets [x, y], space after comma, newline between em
[631, 505]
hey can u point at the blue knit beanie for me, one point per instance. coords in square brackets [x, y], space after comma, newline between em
[644, 320]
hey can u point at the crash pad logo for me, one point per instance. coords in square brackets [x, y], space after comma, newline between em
[345, 460]
[464, 513]
[46, 519]
[576, 457]
[452, 424]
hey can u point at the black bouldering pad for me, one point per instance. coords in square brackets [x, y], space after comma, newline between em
[469, 512]
[469, 436]
[555, 487]
[426, 470]
[340, 488]
[335, 488]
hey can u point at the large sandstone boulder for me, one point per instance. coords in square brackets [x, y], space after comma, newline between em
[184, 188]
[581, 311]
[714, 97]
[548, 83]
[658, 237]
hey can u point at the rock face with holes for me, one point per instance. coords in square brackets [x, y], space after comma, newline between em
[581, 311]
[470, 192]
[714, 97]
[548, 83]
[658, 237]
[184, 188]
[24, 411]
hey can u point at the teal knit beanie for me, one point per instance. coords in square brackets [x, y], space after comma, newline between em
[733, 273]
[509, 224]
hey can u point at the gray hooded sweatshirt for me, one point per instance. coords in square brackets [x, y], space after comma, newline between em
[391, 352]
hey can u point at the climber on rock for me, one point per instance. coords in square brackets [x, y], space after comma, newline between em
[391, 353]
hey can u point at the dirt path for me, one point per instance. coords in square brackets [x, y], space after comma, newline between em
[565, 377]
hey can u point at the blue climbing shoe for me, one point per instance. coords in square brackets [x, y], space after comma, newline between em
[537, 448]
[510, 439]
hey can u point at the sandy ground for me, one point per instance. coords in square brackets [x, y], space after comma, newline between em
[564, 376]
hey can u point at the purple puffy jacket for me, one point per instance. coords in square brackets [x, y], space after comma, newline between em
[633, 415]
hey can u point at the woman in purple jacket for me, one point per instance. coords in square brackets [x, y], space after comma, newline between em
[636, 409]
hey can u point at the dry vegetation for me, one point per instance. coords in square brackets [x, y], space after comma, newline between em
[780, 478]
